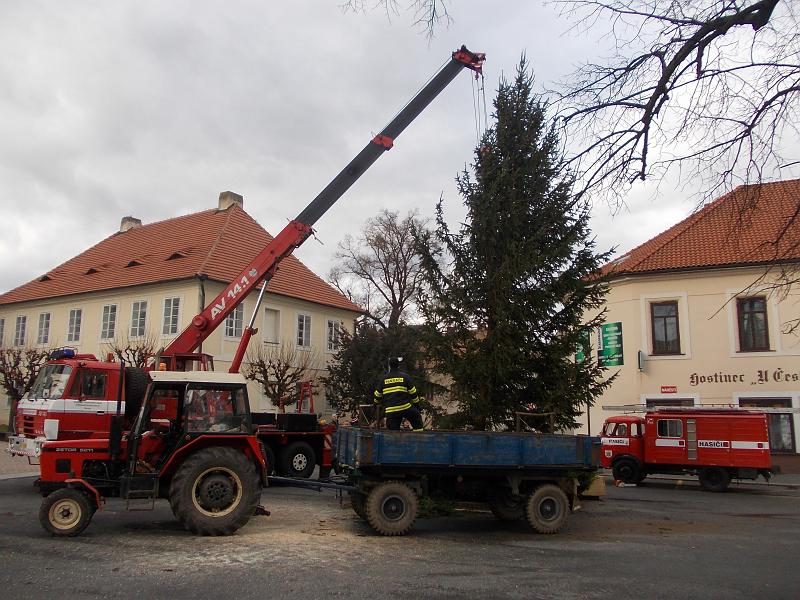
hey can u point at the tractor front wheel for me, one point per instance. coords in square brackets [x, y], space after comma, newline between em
[66, 512]
[215, 491]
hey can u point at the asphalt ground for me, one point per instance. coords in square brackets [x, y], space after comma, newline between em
[660, 540]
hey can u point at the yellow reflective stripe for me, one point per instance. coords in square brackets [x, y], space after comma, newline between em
[392, 380]
[397, 388]
[417, 430]
[378, 394]
[391, 409]
[413, 391]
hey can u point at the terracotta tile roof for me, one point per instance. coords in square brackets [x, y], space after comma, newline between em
[219, 243]
[740, 228]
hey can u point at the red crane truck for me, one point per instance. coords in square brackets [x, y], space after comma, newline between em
[76, 395]
[716, 444]
[192, 439]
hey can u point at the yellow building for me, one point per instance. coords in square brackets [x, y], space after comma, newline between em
[693, 316]
[146, 282]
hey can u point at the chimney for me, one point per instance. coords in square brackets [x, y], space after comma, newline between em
[129, 223]
[228, 199]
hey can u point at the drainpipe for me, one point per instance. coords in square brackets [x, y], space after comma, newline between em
[201, 299]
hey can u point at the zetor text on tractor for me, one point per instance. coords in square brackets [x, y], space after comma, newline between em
[192, 439]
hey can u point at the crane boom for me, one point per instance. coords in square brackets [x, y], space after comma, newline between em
[263, 267]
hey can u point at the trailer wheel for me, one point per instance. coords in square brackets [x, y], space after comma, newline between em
[391, 508]
[714, 479]
[298, 460]
[215, 491]
[547, 508]
[505, 505]
[626, 470]
[358, 501]
[66, 512]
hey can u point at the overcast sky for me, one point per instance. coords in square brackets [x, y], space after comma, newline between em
[152, 108]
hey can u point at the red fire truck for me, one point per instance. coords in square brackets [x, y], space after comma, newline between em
[716, 444]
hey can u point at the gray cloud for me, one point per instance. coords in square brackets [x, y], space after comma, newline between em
[151, 109]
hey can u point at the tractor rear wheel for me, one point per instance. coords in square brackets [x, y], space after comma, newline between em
[66, 512]
[215, 491]
[505, 505]
[547, 508]
[136, 381]
[391, 508]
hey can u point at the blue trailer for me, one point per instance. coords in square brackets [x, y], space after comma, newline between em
[520, 475]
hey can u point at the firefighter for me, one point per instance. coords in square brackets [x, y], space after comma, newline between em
[398, 396]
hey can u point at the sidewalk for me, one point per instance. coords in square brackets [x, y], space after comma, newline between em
[779, 480]
[14, 466]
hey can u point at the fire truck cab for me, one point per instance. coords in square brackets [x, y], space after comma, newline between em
[716, 445]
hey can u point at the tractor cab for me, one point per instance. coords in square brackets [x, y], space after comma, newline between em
[182, 407]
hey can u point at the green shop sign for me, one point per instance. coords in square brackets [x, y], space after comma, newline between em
[609, 345]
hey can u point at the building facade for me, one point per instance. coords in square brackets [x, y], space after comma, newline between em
[699, 315]
[145, 283]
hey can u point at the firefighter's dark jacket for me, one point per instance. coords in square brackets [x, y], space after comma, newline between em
[396, 392]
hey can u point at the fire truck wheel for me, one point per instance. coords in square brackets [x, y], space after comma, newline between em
[626, 470]
[358, 501]
[547, 509]
[505, 505]
[714, 479]
[391, 508]
[66, 512]
[136, 381]
[215, 491]
[298, 460]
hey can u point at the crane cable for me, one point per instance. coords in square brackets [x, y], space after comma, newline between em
[480, 114]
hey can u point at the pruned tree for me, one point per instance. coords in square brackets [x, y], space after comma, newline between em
[134, 351]
[379, 269]
[18, 370]
[505, 314]
[279, 369]
[709, 90]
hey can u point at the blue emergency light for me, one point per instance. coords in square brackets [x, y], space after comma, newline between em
[62, 353]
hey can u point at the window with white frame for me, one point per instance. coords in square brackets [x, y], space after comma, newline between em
[780, 425]
[334, 335]
[171, 309]
[304, 331]
[108, 325]
[233, 322]
[2, 331]
[19, 330]
[272, 326]
[138, 318]
[74, 325]
[43, 335]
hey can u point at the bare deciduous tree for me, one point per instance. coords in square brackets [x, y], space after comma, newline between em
[18, 370]
[379, 270]
[708, 89]
[135, 352]
[280, 368]
[428, 14]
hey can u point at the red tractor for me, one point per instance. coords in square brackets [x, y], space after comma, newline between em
[192, 443]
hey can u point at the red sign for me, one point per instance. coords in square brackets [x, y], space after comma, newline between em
[669, 389]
